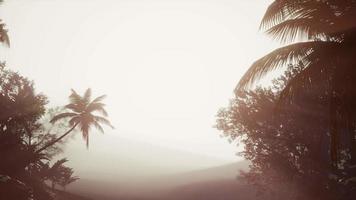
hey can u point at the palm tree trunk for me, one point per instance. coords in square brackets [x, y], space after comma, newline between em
[333, 125]
[349, 98]
[351, 130]
[57, 140]
[333, 137]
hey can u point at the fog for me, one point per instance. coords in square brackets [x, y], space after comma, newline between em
[166, 67]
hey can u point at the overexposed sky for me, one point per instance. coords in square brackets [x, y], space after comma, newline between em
[167, 66]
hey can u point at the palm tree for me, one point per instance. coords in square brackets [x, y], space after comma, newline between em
[327, 53]
[4, 37]
[326, 26]
[67, 177]
[54, 173]
[58, 173]
[81, 115]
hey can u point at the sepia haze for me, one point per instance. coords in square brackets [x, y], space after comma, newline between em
[166, 67]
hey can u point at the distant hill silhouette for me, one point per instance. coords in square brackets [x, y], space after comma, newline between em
[117, 158]
[214, 183]
[69, 196]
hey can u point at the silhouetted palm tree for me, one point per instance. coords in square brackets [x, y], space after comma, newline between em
[327, 25]
[327, 54]
[67, 177]
[81, 115]
[54, 173]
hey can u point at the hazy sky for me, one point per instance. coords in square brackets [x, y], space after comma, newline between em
[167, 66]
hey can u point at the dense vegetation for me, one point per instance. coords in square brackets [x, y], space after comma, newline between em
[300, 132]
[30, 139]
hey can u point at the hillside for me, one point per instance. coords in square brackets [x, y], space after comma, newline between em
[213, 190]
[69, 196]
[210, 184]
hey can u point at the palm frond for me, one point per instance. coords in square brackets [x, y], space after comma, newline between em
[58, 163]
[99, 107]
[291, 54]
[72, 179]
[289, 30]
[61, 116]
[324, 17]
[74, 107]
[87, 96]
[281, 10]
[103, 120]
[98, 99]
[98, 126]
[310, 29]
[75, 98]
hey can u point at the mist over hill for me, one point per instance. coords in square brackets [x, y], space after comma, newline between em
[111, 157]
[210, 183]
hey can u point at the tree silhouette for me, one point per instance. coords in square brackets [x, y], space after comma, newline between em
[67, 177]
[23, 170]
[81, 115]
[327, 54]
[4, 37]
[288, 145]
[54, 173]
[21, 109]
[58, 173]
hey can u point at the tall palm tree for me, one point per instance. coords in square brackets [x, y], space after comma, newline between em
[81, 115]
[328, 31]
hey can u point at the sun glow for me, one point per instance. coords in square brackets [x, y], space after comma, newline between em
[167, 67]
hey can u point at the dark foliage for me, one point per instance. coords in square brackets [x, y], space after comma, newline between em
[328, 29]
[23, 170]
[289, 143]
